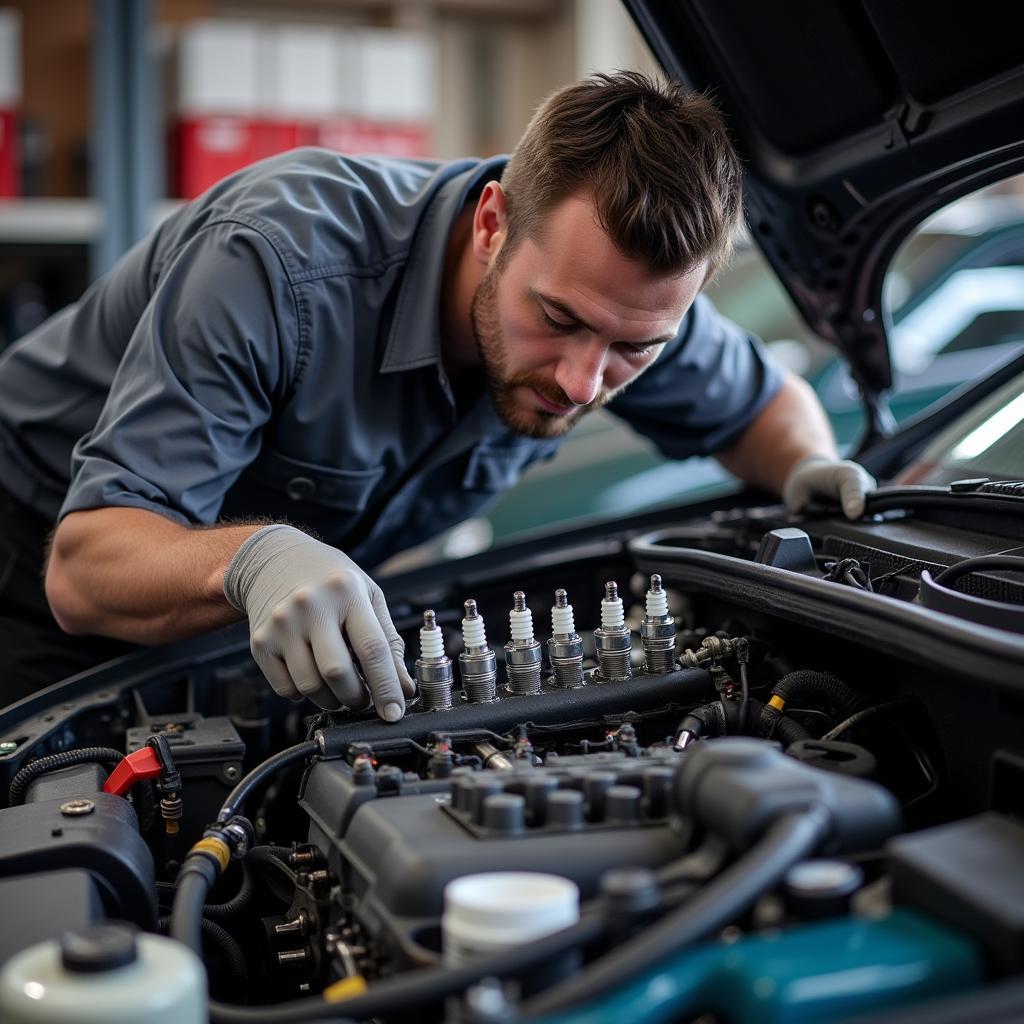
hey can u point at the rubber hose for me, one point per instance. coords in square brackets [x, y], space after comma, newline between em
[224, 941]
[238, 902]
[792, 838]
[409, 993]
[787, 730]
[106, 756]
[227, 944]
[261, 773]
[195, 880]
[824, 687]
[720, 719]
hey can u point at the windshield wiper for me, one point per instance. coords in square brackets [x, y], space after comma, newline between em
[982, 495]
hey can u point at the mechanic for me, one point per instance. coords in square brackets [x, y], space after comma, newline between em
[371, 350]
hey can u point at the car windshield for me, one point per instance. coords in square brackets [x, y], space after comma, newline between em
[988, 441]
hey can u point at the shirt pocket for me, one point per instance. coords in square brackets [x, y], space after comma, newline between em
[308, 483]
[492, 469]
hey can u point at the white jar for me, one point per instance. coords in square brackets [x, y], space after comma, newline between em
[108, 974]
[497, 910]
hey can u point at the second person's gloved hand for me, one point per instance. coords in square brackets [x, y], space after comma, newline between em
[818, 476]
[303, 599]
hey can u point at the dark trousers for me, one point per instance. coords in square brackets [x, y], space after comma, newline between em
[34, 652]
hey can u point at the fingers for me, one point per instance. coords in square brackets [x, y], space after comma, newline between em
[376, 658]
[854, 483]
[301, 647]
[335, 666]
[275, 670]
[394, 639]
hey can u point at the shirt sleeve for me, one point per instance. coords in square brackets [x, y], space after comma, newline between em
[706, 387]
[213, 351]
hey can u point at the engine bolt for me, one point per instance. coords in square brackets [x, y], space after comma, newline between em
[658, 631]
[614, 646]
[565, 648]
[77, 808]
[433, 667]
[477, 664]
[522, 653]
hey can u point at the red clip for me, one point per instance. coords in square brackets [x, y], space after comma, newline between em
[143, 764]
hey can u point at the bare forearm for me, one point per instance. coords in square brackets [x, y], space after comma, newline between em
[792, 426]
[136, 576]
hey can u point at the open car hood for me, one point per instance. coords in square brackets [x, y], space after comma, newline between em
[854, 121]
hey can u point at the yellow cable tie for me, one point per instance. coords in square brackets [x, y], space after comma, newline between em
[347, 988]
[217, 848]
[776, 702]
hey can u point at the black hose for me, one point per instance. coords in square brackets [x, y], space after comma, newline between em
[227, 944]
[224, 941]
[786, 730]
[1004, 563]
[827, 689]
[720, 718]
[238, 902]
[412, 991]
[106, 756]
[792, 838]
[261, 773]
[195, 880]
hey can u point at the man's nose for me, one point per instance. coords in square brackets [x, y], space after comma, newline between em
[580, 373]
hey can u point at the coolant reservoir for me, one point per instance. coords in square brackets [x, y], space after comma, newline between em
[107, 974]
[490, 912]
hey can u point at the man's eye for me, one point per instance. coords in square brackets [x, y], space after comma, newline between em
[558, 325]
[637, 351]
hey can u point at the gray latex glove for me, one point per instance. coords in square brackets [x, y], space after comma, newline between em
[303, 599]
[818, 476]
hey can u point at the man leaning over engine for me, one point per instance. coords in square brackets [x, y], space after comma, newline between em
[371, 350]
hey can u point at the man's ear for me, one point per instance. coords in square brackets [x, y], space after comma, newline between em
[490, 223]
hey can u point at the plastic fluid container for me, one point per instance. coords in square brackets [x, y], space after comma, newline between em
[107, 974]
[491, 912]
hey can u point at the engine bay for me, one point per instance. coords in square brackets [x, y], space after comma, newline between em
[784, 787]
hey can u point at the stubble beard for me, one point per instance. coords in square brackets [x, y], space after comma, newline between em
[502, 385]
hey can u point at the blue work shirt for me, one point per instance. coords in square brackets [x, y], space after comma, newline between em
[273, 349]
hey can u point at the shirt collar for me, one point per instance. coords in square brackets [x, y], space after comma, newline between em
[415, 337]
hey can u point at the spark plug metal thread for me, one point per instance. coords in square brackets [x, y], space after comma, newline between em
[477, 663]
[612, 638]
[522, 653]
[433, 667]
[565, 648]
[658, 631]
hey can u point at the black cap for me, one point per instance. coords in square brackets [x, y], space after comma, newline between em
[103, 947]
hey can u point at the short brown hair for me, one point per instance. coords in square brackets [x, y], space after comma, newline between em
[655, 158]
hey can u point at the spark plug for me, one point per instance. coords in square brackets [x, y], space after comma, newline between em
[658, 631]
[565, 648]
[477, 664]
[433, 667]
[612, 638]
[522, 652]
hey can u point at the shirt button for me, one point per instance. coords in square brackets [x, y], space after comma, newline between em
[300, 488]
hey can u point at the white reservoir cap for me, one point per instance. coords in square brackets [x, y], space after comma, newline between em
[498, 910]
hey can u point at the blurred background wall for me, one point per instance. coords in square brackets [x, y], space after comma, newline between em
[112, 111]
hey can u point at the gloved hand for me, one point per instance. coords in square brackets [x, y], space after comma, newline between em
[303, 598]
[818, 476]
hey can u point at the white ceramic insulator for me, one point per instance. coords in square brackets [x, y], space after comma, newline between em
[473, 632]
[431, 643]
[612, 615]
[521, 624]
[657, 603]
[562, 620]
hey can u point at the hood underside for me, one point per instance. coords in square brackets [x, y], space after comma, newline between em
[855, 119]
